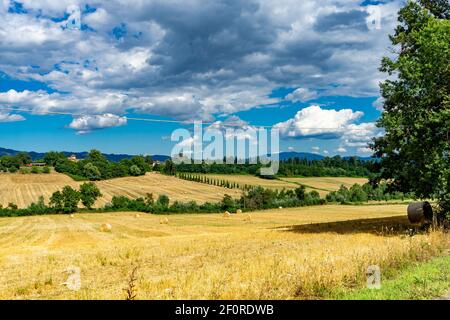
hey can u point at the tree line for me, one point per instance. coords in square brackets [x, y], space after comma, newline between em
[94, 167]
[18, 163]
[63, 201]
[212, 181]
[68, 199]
[97, 167]
[367, 192]
[327, 167]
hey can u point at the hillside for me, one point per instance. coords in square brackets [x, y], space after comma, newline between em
[23, 189]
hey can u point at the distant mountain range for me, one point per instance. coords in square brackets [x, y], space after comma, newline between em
[300, 155]
[118, 157]
[312, 156]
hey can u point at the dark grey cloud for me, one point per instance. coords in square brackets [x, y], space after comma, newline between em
[193, 58]
[353, 20]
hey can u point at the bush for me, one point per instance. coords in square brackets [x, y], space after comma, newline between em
[92, 172]
[12, 169]
[228, 203]
[39, 207]
[46, 169]
[119, 202]
[24, 170]
[163, 201]
[35, 170]
[134, 170]
[301, 193]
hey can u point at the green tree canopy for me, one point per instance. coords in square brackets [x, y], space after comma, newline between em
[415, 149]
[134, 170]
[91, 172]
[89, 193]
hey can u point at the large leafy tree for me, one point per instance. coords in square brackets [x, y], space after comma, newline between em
[89, 193]
[415, 150]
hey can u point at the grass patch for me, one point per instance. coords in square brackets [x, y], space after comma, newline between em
[76, 177]
[418, 282]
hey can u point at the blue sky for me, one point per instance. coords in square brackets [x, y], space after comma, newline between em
[294, 65]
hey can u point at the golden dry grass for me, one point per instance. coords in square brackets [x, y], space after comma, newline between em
[279, 254]
[324, 185]
[22, 189]
[243, 180]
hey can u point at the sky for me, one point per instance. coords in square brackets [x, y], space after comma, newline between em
[308, 68]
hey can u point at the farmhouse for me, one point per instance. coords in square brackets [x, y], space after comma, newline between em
[36, 164]
[72, 158]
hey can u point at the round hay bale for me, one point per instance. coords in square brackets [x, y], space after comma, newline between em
[137, 215]
[238, 211]
[106, 227]
[226, 214]
[72, 215]
[164, 220]
[420, 212]
[248, 218]
[281, 208]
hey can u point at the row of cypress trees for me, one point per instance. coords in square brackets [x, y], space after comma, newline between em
[214, 182]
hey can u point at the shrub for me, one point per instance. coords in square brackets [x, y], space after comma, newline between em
[119, 202]
[39, 207]
[134, 170]
[24, 170]
[92, 172]
[300, 192]
[46, 169]
[163, 201]
[228, 203]
[13, 169]
[35, 170]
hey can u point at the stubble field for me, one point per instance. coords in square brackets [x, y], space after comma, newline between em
[23, 189]
[323, 185]
[299, 253]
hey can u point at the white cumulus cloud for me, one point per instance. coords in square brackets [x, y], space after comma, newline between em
[191, 59]
[86, 124]
[315, 122]
[302, 95]
[6, 117]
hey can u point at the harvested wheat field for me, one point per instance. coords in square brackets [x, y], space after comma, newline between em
[176, 189]
[23, 189]
[299, 253]
[250, 180]
[324, 185]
